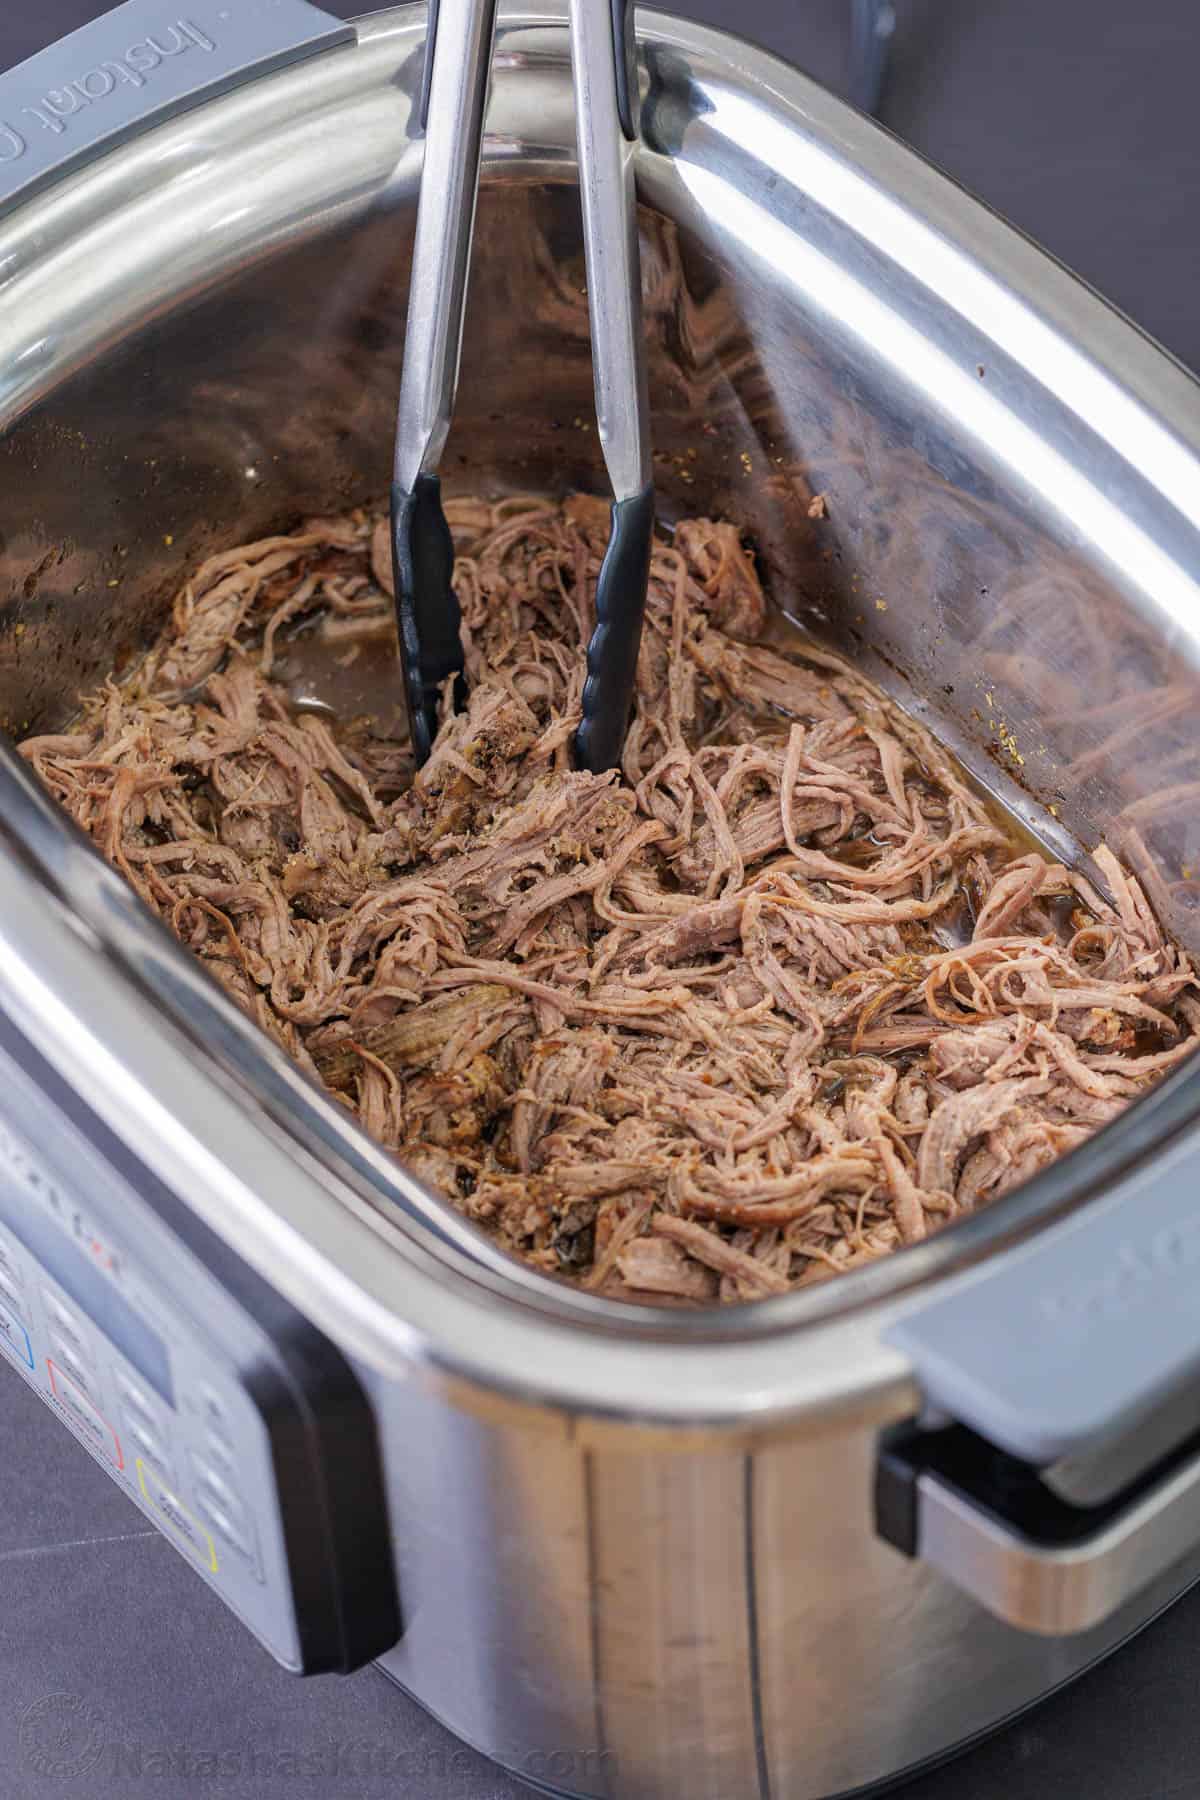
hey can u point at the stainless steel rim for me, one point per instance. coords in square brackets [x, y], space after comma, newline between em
[138, 951]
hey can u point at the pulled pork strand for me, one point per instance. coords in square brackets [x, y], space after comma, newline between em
[776, 1000]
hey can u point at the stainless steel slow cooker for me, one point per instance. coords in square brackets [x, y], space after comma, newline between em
[795, 1549]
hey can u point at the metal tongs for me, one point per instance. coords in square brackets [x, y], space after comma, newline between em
[454, 96]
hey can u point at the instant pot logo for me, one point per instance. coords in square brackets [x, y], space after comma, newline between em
[53, 110]
[1130, 1277]
[61, 1735]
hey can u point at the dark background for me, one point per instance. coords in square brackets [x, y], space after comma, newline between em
[1077, 119]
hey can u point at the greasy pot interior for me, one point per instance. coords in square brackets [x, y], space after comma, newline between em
[201, 341]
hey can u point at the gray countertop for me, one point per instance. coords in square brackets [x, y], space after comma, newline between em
[1076, 120]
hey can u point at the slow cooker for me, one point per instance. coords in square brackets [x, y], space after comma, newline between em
[794, 1549]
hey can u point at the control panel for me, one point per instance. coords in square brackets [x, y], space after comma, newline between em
[235, 1426]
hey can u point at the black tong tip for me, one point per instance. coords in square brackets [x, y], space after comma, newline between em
[427, 610]
[613, 651]
[430, 620]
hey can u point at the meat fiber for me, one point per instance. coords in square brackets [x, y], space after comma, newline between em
[777, 999]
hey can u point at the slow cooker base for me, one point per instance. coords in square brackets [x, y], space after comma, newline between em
[890, 1784]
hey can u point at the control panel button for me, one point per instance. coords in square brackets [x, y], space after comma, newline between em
[219, 1477]
[14, 1338]
[210, 1507]
[94, 1426]
[147, 1443]
[213, 1412]
[65, 1321]
[9, 1295]
[67, 1358]
[169, 1506]
[10, 1262]
[137, 1398]
[220, 1453]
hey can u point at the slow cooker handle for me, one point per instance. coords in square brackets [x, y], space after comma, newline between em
[1056, 1471]
[136, 66]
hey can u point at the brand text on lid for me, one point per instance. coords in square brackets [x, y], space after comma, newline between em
[53, 109]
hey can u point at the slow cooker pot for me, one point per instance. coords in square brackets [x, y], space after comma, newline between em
[795, 1549]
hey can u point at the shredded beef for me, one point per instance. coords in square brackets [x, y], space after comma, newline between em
[777, 999]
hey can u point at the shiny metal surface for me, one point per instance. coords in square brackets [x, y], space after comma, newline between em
[641, 1540]
[611, 255]
[1055, 1590]
[437, 292]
